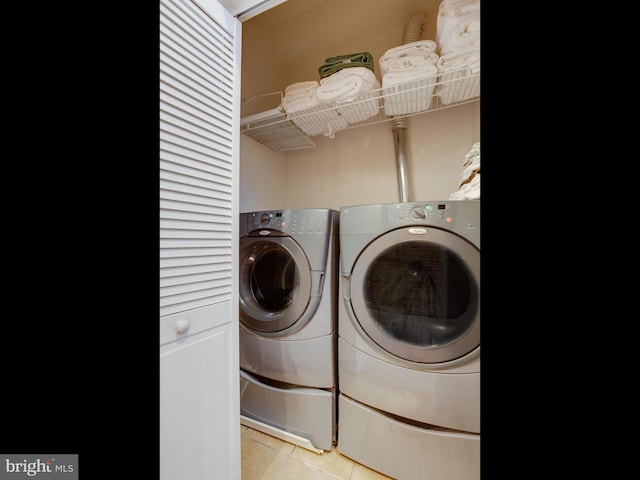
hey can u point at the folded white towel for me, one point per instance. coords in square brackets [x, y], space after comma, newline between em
[457, 25]
[419, 48]
[409, 73]
[365, 73]
[362, 108]
[424, 72]
[300, 88]
[459, 78]
[300, 96]
[409, 91]
[352, 90]
[467, 59]
[347, 84]
[308, 112]
[319, 120]
[458, 7]
[409, 62]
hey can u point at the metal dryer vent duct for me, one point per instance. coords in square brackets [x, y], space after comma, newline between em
[412, 30]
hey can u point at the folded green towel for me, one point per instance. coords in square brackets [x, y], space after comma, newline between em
[335, 64]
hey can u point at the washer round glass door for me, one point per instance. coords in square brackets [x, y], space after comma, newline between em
[416, 293]
[274, 282]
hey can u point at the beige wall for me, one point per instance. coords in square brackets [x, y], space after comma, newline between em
[262, 177]
[358, 166]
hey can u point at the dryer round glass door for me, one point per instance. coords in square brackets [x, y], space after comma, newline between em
[274, 281]
[417, 296]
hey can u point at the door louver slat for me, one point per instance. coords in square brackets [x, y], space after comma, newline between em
[196, 171]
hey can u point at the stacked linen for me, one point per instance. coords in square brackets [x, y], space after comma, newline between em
[469, 179]
[353, 91]
[458, 40]
[300, 96]
[459, 76]
[459, 85]
[409, 73]
[458, 25]
[308, 112]
[335, 64]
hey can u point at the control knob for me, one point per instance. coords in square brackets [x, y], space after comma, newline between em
[418, 213]
[264, 218]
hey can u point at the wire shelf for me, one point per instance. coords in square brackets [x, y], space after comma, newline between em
[284, 131]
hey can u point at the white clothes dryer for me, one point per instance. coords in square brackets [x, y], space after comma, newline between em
[288, 321]
[409, 338]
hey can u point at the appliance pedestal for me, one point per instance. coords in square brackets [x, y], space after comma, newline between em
[405, 451]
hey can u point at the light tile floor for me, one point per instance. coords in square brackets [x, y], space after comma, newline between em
[268, 458]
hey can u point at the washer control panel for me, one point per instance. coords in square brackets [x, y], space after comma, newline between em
[460, 216]
[291, 222]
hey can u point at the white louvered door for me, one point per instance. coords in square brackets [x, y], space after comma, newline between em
[199, 138]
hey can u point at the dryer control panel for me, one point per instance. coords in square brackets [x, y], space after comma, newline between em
[439, 213]
[445, 214]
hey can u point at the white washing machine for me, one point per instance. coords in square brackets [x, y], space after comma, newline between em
[409, 338]
[288, 321]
